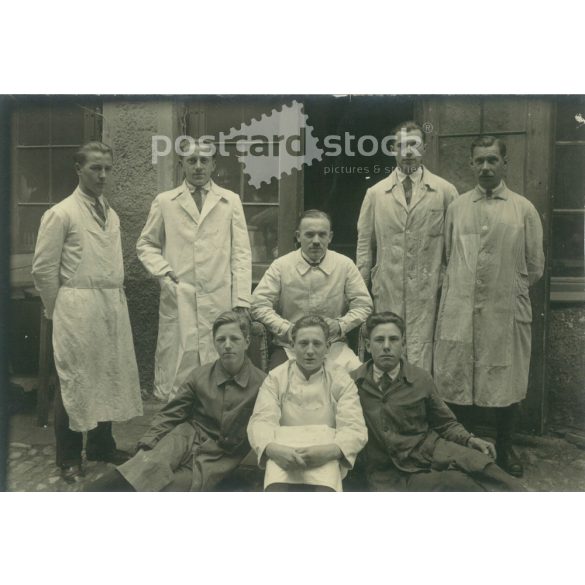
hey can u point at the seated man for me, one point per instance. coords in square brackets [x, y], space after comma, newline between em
[312, 281]
[199, 437]
[415, 442]
[307, 427]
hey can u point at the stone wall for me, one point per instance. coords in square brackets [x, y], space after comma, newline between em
[566, 367]
[128, 126]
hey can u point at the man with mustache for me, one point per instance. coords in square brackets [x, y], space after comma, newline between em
[312, 281]
[199, 437]
[494, 250]
[400, 241]
[196, 242]
[414, 441]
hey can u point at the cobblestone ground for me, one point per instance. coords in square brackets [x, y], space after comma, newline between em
[551, 463]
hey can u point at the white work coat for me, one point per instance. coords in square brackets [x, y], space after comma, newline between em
[406, 244]
[210, 254]
[79, 272]
[495, 252]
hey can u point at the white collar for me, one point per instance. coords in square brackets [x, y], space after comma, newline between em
[378, 373]
[416, 177]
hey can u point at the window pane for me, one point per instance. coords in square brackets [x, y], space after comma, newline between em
[568, 127]
[567, 244]
[228, 169]
[67, 125]
[32, 126]
[569, 190]
[25, 228]
[64, 176]
[263, 231]
[31, 180]
[268, 193]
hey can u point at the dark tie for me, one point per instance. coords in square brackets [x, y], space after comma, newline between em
[198, 198]
[385, 382]
[489, 192]
[99, 210]
[407, 184]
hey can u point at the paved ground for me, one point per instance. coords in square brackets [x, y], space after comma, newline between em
[551, 463]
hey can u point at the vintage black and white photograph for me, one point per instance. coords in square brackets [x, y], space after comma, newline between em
[296, 293]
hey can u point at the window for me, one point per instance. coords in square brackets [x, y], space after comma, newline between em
[568, 219]
[270, 210]
[45, 136]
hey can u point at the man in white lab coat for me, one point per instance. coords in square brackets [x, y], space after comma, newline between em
[312, 281]
[196, 242]
[78, 270]
[400, 242]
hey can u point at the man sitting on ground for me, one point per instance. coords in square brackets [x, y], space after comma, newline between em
[199, 437]
[415, 442]
[307, 427]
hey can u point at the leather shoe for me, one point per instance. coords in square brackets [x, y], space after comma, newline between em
[116, 457]
[508, 461]
[72, 474]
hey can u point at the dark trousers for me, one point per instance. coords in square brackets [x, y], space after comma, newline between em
[100, 440]
[505, 420]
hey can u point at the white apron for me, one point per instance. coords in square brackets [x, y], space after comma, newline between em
[303, 425]
[92, 339]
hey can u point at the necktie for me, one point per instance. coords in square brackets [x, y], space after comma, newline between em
[99, 210]
[385, 382]
[198, 198]
[407, 185]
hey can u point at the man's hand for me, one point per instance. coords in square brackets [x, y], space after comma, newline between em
[285, 457]
[172, 276]
[485, 447]
[334, 328]
[317, 455]
[243, 311]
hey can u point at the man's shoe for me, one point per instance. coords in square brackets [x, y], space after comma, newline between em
[508, 460]
[72, 473]
[116, 457]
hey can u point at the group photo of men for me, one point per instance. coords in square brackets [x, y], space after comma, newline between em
[370, 369]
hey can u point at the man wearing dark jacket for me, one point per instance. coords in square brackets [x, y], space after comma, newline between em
[415, 442]
[199, 437]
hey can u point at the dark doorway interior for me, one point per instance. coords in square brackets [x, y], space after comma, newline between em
[337, 184]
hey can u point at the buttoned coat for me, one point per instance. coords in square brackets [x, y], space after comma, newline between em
[400, 250]
[495, 252]
[210, 254]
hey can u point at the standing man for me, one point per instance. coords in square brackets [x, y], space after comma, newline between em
[495, 253]
[196, 242]
[312, 281]
[400, 242]
[78, 270]
[415, 443]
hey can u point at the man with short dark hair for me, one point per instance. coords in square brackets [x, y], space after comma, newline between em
[312, 281]
[196, 243]
[307, 427]
[400, 241]
[494, 251]
[78, 270]
[415, 443]
[199, 437]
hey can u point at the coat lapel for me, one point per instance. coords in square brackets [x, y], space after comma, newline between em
[210, 202]
[186, 202]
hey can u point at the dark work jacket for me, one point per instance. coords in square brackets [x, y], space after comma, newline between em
[212, 401]
[405, 422]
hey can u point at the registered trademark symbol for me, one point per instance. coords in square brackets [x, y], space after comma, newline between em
[427, 127]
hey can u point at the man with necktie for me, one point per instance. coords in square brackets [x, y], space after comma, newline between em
[312, 281]
[400, 241]
[494, 250]
[414, 441]
[196, 243]
[79, 271]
